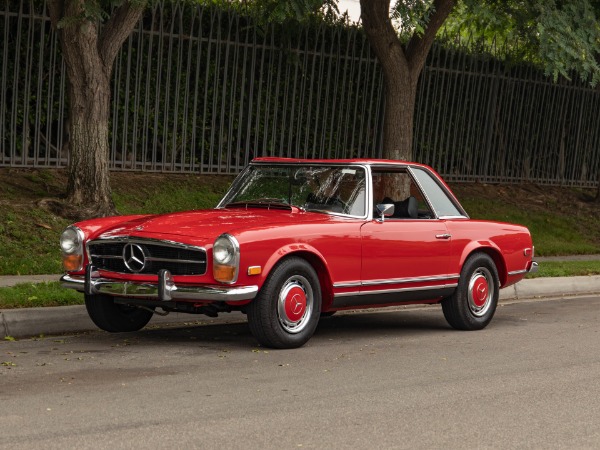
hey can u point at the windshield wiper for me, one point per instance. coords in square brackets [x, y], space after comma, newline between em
[267, 203]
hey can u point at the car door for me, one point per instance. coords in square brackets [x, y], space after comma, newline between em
[405, 257]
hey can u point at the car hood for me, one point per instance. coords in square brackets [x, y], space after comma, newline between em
[208, 224]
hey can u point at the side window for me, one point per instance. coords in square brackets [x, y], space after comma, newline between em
[333, 189]
[399, 188]
[444, 207]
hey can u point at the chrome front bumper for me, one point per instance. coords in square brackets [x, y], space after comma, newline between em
[165, 289]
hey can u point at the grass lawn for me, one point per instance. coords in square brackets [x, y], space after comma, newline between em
[32, 295]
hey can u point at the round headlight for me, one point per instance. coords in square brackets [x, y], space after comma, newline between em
[70, 241]
[223, 250]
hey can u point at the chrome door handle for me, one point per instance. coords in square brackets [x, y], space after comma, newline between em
[443, 236]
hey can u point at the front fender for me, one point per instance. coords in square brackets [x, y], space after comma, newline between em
[316, 260]
[290, 249]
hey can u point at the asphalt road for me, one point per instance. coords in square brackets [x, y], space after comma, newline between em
[398, 379]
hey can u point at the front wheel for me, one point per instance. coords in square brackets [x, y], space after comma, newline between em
[474, 302]
[115, 318]
[286, 312]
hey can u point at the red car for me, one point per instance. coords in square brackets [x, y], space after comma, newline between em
[293, 240]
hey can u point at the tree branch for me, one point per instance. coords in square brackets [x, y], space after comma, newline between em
[118, 28]
[419, 45]
[382, 36]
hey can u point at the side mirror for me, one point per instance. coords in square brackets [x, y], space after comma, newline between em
[385, 210]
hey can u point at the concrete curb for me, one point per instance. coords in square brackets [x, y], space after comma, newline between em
[552, 287]
[27, 322]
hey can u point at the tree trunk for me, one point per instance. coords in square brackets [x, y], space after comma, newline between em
[399, 98]
[89, 178]
[89, 55]
[398, 121]
[401, 70]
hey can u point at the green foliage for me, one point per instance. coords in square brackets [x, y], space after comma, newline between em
[286, 11]
[569, 39]
[562, 37]
[412, 16]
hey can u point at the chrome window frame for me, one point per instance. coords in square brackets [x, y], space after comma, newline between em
[366, 216]
[443, 188]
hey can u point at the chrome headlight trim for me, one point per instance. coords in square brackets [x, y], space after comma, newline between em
[71, 240]
[72, 247]
[227, 254]
[224, 250]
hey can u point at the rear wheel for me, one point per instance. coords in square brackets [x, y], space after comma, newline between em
[286, 312]
[115, 318]
[474, 302]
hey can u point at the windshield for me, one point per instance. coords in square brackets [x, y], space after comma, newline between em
[329, 189]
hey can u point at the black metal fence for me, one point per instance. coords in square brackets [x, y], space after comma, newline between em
[203, 90]
[479, 118]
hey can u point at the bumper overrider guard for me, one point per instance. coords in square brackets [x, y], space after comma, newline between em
[164, 290]
[534, 267]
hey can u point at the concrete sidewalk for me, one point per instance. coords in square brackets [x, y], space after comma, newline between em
[26, 322]
[12, 280]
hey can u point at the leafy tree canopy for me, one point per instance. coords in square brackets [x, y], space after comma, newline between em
[563, 37]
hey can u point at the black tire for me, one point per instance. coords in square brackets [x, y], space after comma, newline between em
[286, 311]
[109, 316]
[474, 302]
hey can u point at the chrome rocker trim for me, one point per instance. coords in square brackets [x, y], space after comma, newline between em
[164, 290]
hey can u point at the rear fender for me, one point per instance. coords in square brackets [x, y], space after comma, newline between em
[490, 249]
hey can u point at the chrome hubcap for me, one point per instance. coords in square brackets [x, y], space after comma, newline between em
[295, 304]
[481, 292]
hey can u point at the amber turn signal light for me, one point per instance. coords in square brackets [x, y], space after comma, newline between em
[72, 263]
[254, 270]
[224, 274]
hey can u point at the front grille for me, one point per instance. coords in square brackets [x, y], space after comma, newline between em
[148, 257]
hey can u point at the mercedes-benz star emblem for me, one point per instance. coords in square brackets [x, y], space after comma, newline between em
[134, 257]
[297, 305]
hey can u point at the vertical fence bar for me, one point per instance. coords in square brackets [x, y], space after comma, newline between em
[196, 90]
[248, 150]
[38, 95]
[4, 157]
[240, 147]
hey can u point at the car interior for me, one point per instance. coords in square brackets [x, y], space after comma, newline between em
[399, 188]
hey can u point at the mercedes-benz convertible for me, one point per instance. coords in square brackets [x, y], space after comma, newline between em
[294, 240]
